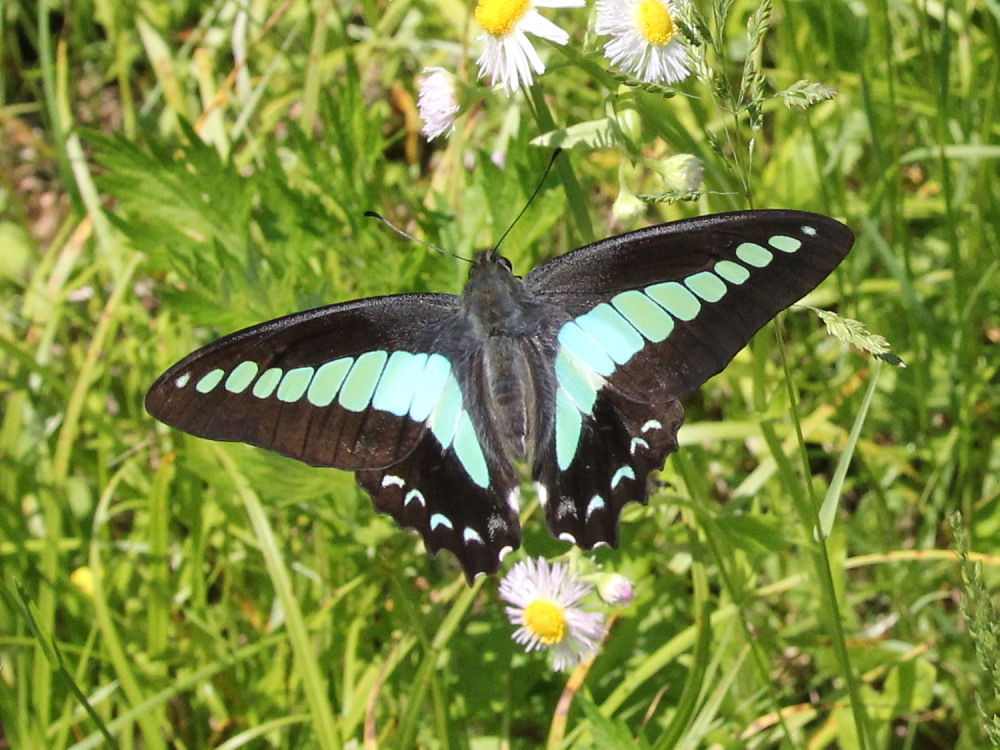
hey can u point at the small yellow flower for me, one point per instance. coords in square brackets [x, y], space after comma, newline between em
[500, 18]
[545, 619]
[654, 22]
[83, 579]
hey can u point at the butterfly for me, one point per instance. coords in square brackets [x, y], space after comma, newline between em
[577, 368]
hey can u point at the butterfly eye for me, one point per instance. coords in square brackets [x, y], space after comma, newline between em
[505, 263]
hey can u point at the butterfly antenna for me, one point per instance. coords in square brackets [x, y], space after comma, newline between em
[407, 235]
[538, 188]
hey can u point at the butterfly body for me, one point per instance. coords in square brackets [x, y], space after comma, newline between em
[505, 325]
[577, 368]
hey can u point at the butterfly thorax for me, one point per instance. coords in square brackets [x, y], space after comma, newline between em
[504, 318]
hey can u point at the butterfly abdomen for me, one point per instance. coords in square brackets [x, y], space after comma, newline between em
[511, 393]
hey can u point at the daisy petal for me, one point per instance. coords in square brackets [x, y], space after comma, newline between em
[437, 102]
[538, 25]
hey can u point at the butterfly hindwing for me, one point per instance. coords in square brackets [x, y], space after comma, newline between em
[432, 493]
[619, 444]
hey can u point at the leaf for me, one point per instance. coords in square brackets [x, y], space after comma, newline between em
[594, 134]
[755, 534]
[907, 690]
[607, 731]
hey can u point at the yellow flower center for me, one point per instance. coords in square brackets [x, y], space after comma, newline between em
[546, 622]
[499, 17]
[653, 21]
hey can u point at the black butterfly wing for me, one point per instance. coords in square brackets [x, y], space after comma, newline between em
[649, 316]
[717, 277]
[281, 385]
[619, 444]
[373, 386]
[433, 494]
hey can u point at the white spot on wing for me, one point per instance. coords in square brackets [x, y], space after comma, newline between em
[439, 520]
[567, 537]
[652, 424]
[625, 472]
[636, 442]
[811, 231]
[514, 499]
[471, 535]
[414, 496]
[598, 545]
[183, 380]
[392, 480]
[566, 508]
[596, 504]
[504, 551]
[542, 492]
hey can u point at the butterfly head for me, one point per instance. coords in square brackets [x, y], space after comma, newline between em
[489, 264]
[492, 295]
[491, 257]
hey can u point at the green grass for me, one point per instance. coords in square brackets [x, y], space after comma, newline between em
[163, 591]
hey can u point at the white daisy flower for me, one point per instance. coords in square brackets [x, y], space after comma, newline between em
[546, 610]
[437, 102]
[509, 58]
[643, 40]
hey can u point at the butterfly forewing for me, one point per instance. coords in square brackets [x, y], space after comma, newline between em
[373, 386]
[658, 311]
[306, 385]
